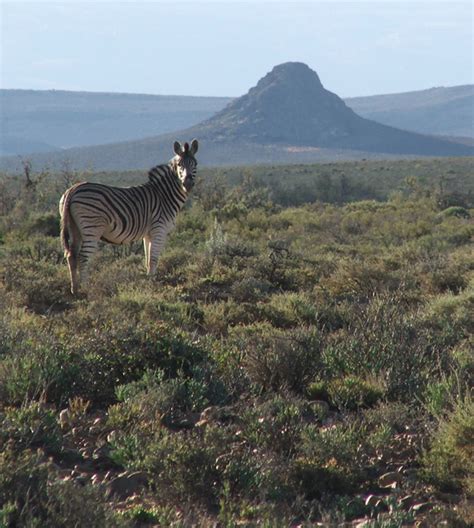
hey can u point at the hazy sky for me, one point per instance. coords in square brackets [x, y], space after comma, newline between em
[224, 47]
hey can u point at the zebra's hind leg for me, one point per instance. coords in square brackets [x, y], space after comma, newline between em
[146, 247]
[72, 264]
[88, 248]
[71, 255]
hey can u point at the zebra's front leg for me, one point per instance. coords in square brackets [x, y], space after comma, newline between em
[89, 247]
[156, 245]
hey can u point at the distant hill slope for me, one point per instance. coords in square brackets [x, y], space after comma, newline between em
[439, 111]
[287, 117]
[65, 119]
[20, 145]
[41, 121]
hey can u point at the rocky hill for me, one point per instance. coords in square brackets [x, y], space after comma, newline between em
[290, 106]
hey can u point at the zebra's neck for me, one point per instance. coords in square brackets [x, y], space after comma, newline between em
[164, 179]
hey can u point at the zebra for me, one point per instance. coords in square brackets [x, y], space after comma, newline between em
[91, 212]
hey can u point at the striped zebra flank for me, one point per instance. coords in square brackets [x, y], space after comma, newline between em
[91, 212]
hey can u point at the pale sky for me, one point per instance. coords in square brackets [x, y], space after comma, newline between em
[222, 48]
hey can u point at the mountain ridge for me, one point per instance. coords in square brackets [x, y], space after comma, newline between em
[288, 108]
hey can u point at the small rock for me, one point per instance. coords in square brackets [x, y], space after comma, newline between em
[330, 419]
[81, 479]
[95, 479]
[452, 498]
[423, 523]
[94, 430]
[101, 452]
[407, 501]
[209, 414]
[361, 523]
[185, 423]
[64, 418]
[76, 431]
[411, 473]
[126, 484]
[422, 507]
[98, 420]
[390, 480]
[372, 500]
[85, 452]
[112, 436]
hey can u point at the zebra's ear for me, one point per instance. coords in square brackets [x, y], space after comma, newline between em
[178, 149]
[194, 146]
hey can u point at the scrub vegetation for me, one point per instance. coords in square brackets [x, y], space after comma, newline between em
[303, 355]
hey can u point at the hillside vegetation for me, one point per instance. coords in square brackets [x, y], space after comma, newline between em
[303, 356]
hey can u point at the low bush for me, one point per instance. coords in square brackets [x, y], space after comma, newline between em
[274, 360]
[449, 462]
[347, 393]
[30, 426]
[31, 494]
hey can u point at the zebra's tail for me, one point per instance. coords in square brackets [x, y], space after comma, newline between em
[67, 222]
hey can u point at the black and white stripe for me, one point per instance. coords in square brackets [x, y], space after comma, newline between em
[91, 212]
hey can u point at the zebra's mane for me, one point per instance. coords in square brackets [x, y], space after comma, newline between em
[160, 172]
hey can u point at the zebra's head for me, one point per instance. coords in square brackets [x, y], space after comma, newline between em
[185, 163]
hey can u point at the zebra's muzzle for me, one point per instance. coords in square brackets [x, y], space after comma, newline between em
[189, 183]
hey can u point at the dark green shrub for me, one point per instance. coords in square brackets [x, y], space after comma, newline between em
[174, 266]
[397, 416]
[450, 312]
[46, 224]
[456, 210]
[155, 398]
[449, 462]
[315, 481]
[183, 465]
[32, 495]
[346, 393]
[34, 371]
[276, 424]
[117, 356]
[249, 289]
[274, 360]
[329, 460]
[37, 284]
[384, 341]
[143, 515]
[32, 425]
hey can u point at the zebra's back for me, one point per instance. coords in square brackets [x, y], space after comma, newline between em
[116, 214]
